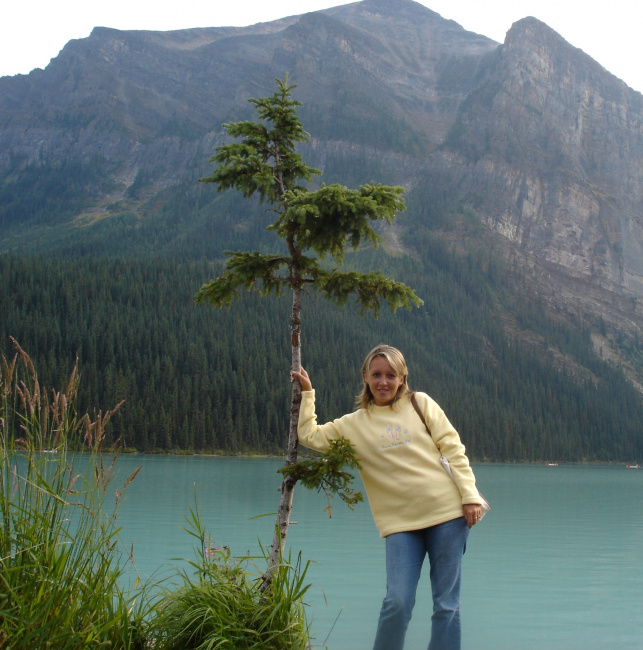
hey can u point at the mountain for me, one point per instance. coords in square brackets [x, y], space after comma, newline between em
[378, 74]
[528, 150]
[547, 148]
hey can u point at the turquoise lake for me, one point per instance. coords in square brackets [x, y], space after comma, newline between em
[556, 564]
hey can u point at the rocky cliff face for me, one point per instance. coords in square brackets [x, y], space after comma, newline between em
[548, 148]
[564, 139]
[541, 141]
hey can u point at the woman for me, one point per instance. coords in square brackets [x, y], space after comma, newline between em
[416, 506]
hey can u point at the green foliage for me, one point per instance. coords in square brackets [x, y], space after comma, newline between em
[264, 161]
[327, 473]
[189, 380]
[61, 571]
[432, 205]
[205, 380]
[369, 290]
[248, 270]
[60, 567]
[327, 220]
[211, 380]
[218, 603]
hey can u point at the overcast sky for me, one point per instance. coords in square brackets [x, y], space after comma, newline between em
[32, 33]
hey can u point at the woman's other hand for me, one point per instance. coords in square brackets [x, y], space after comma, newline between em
[471, 513]
[302, 377]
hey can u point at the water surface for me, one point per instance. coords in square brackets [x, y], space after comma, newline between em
[556, 564]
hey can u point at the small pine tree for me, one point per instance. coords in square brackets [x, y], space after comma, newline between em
[314, 223]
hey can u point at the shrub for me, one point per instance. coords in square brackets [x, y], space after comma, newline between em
[219, 604]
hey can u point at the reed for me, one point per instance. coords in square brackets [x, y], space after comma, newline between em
[60, 563]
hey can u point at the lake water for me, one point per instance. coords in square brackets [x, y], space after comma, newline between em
[556, 564]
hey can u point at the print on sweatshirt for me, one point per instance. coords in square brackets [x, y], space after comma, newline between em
[394, 437]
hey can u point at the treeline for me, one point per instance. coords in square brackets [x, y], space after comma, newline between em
[199, 379]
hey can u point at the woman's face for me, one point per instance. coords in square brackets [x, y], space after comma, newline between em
[383, 381]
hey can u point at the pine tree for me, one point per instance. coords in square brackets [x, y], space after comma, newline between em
[314, 223]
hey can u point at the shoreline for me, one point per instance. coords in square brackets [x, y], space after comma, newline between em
[552, 464]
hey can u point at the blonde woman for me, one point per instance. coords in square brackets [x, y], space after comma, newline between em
[415, 504]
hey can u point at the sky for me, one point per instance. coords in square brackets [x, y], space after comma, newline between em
[32, 33]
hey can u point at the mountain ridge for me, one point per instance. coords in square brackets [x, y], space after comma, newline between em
[532, 136]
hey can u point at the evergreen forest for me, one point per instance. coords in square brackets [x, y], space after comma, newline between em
[196, 379]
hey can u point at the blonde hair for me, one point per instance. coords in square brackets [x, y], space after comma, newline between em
[396, 361]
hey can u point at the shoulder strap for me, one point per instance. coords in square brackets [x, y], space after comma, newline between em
[417, 410]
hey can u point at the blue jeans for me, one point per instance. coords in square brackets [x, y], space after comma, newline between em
[445, 545]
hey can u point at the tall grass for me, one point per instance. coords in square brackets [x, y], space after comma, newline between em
[219, 604]
[62, 569]
[59, 562]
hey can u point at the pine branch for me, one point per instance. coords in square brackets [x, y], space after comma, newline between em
[369, 289]
[333, 217]
[327, 473]
[248, 270]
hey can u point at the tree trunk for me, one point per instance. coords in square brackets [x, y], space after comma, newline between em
[288, 484]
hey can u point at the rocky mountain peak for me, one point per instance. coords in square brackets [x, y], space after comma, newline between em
[532, 30]
[533, 135]
[399, 8]
[546, 146]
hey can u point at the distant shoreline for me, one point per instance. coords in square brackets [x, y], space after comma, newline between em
[552, 464]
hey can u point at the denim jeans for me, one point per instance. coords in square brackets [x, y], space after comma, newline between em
[445, 545]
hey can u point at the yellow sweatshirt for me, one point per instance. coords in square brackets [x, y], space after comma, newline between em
[406, 485]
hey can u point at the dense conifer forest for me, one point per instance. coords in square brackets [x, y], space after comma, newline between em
[204, 380]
